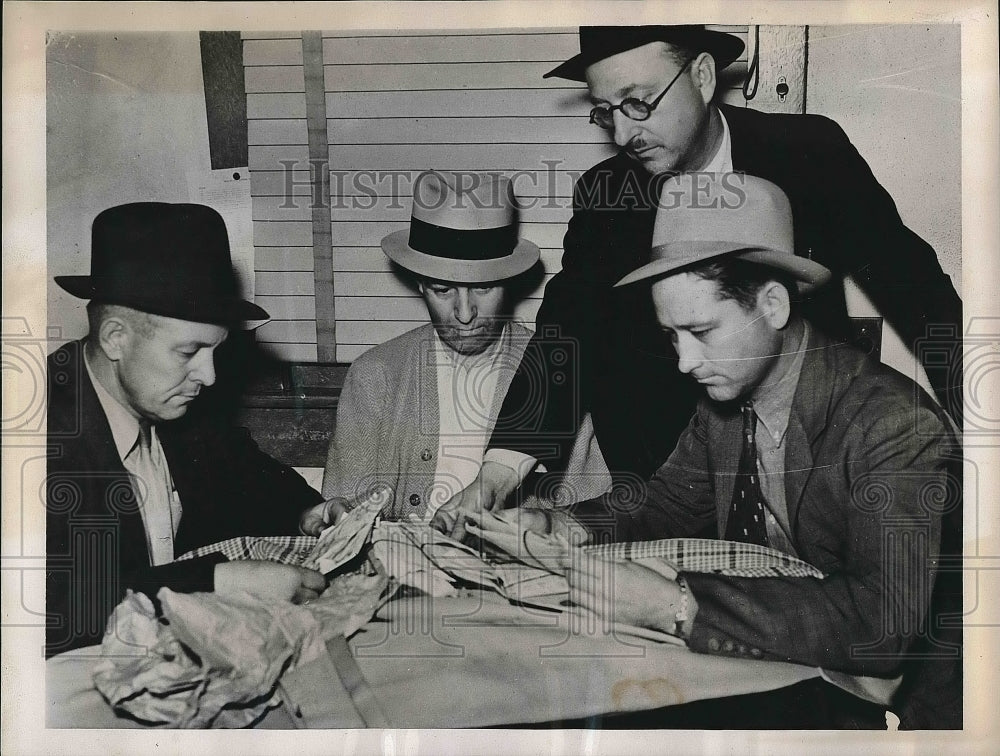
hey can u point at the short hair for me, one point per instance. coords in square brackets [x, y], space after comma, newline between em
[680, 54]
[98, 312]
[741, 280]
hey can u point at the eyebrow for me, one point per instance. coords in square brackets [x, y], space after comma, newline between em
[620, 93]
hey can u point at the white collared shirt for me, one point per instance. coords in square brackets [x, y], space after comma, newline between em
[161, 509]
[466, 388]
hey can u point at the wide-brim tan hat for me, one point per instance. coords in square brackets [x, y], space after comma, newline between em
[463, 229]
[702, 216]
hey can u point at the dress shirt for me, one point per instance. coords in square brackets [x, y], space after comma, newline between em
[466, 386]
[772, 403]
[159, 504]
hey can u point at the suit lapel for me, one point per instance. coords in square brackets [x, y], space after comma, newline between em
[101, 456]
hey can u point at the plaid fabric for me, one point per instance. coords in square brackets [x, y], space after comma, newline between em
[283, 549]
[703, 555]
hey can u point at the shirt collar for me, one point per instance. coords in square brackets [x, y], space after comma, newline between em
[124, 425]
[773, 402]
[722, 160]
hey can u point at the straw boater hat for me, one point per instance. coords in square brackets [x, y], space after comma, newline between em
[600, 42]
[703, 216]
[463, 229]
[164, 259]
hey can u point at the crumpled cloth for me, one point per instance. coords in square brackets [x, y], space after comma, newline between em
[215, 661]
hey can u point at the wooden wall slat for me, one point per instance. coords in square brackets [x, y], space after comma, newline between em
[383, 78]
[270, 158]
[280, 183]
[276, 234]
[571, 99]
[555, 184]
[276, 131]
[550, 48]
[269, 105]
[272, 52]
[485, 157]
[289, 352]
[275, 259]
[288, 332]
[289, 308]
[282, 79]
[566, 129]
[284, 283]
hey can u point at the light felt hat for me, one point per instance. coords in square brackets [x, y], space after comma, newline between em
[463, 229]
[702, 216]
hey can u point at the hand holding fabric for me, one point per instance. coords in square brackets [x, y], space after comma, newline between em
[488, 491]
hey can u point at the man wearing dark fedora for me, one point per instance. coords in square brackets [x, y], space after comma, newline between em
[652, 88]
[801, 444]
[416, 411]
[134, 479]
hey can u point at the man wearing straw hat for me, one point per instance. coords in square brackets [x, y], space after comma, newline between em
[799, 444]
[416, 411]
[652, 88]
[137, 475]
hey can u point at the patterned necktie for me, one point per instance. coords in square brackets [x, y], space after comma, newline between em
[153, 490]
[746, 515]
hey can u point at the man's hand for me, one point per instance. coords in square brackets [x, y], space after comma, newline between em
[268, 580]
[488, 491]
[624, 592]
[318, 518]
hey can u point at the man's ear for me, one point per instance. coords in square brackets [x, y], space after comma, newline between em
[775, 302]
[703, 73]
[113, 337]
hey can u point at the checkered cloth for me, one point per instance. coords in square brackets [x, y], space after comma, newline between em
[282, 549]
[703, 555]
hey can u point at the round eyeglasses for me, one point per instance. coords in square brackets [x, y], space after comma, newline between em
[637, 110]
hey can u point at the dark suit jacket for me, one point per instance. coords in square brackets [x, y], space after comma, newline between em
[873, 500]
[624, 371]
[95, 541]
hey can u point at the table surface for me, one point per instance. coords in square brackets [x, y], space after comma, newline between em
[476, 660]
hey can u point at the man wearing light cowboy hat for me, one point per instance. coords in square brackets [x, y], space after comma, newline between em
[802, 444]
[653, 89]
[135, 479]
[415, 412]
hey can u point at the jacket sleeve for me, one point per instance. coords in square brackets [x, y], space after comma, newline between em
[879, 517]
[678, 500]
[897, 269]
[549, 395]
[353, 457]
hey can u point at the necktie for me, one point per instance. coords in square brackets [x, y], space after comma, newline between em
[746, 515]
[160, 514]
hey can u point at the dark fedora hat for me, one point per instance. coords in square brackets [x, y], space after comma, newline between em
[164, 259]
[600, 42]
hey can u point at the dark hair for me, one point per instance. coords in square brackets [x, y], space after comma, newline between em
[741, 280]
[681, 54]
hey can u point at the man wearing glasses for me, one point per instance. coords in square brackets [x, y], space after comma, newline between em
[652, 88]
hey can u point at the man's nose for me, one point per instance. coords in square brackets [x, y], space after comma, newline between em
[465, 308]
[203, 368]
[688, 355]
[625, 128]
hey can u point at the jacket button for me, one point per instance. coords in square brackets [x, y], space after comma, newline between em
[425, 455]
[728, 647]
[713, 644]
[414, 500]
